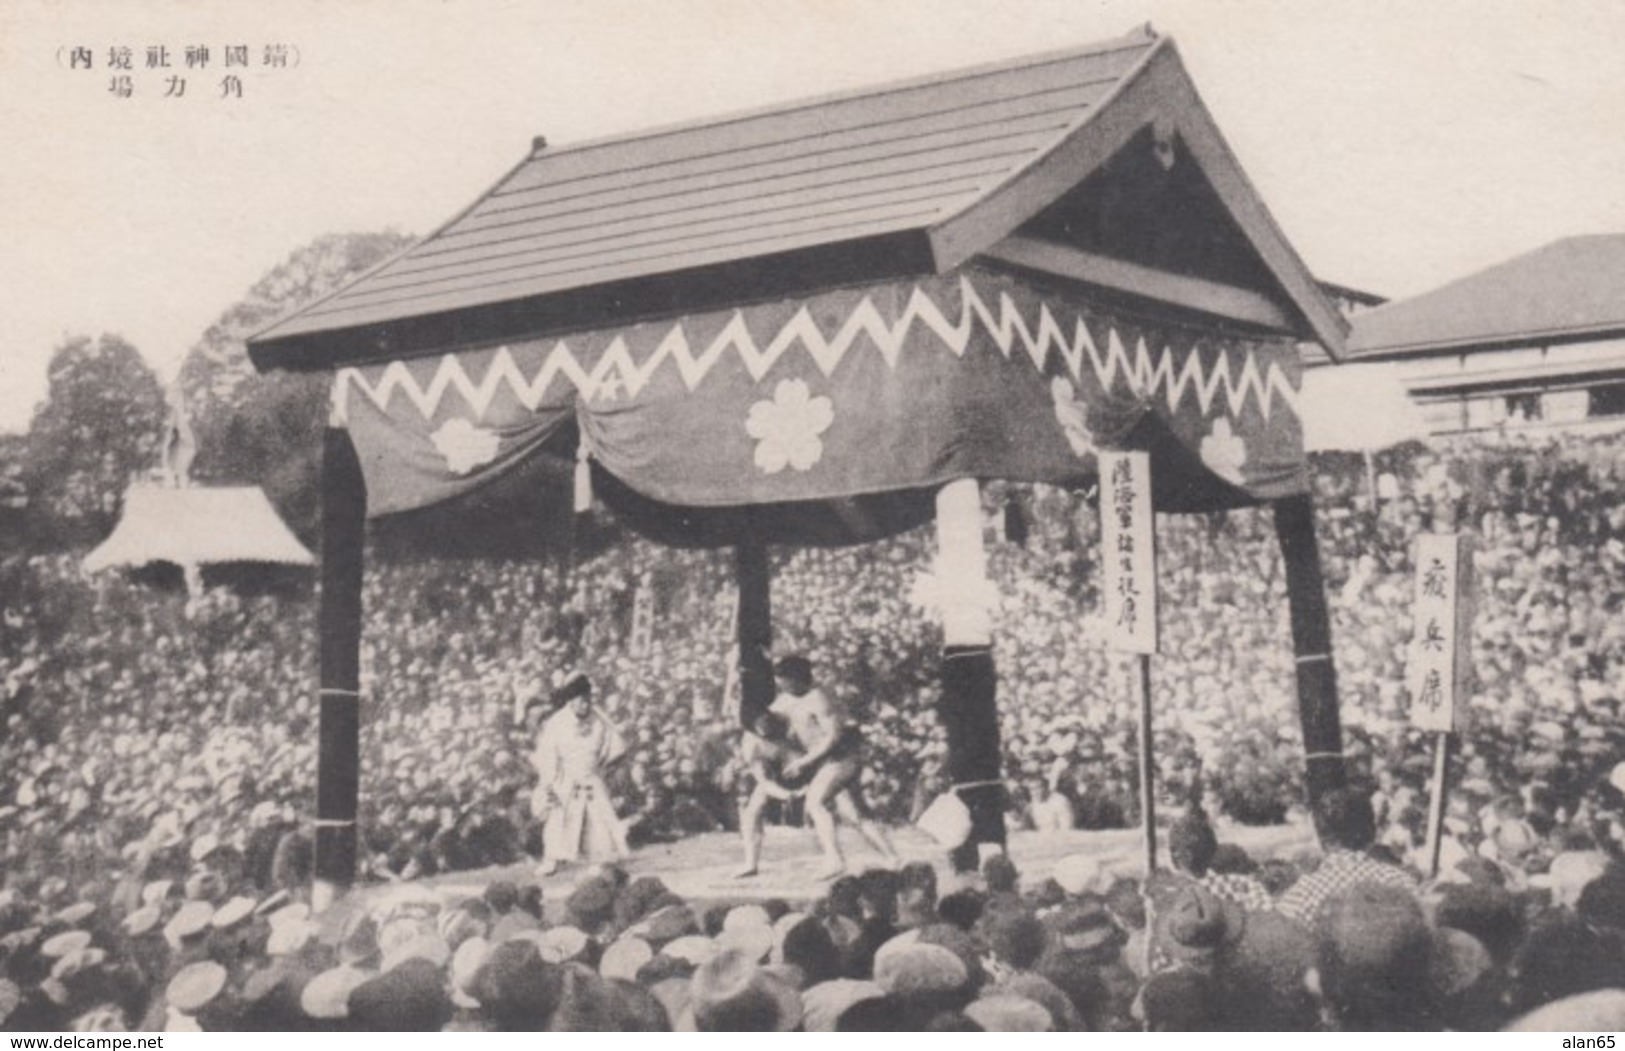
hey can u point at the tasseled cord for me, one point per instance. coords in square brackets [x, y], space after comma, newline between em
[583, 488]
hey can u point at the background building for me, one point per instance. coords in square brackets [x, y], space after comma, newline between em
[1537, 341]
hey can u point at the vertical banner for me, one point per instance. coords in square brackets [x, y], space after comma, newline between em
[1441, 650]
[1128, 551]
[643, 616]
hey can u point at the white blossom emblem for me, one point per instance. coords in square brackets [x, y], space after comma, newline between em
[1224, 452]
[1069, 412]
[464, 445]
[786, 429]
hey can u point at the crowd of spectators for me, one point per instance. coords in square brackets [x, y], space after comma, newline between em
[1346, 939]
[150, 738]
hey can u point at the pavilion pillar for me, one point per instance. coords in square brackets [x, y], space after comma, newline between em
[753, 628]
[1311, 645]
[968, 708]
[338, 764]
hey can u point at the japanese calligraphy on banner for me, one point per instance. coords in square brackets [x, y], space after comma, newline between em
[1440, 672]
[1128, 551]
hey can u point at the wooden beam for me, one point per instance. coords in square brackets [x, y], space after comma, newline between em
[1189, 293]
[1129, 107]
[1158, 88]
[1201, 136]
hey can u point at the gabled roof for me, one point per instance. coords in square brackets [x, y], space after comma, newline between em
[902, 180]
[197, 526]
[1570, 290]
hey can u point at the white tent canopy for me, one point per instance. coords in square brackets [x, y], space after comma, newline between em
[198, 527]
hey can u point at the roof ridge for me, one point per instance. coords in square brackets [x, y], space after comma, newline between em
[1412, 323]
[1471, 275]
[1143, 36]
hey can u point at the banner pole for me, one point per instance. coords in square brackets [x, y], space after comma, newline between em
[1148, 800]
[1436, 805]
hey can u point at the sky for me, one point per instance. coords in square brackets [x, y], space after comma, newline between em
[1400, 145]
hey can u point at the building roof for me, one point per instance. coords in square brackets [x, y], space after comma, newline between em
[1568, 291]
[902, 180]
[197, 526]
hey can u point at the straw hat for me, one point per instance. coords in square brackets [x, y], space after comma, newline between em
[748, 929]
[156, 891]
[195, 986]
[77, 961]
[426, 946]
[561, 944]
[67, 942]
[1002, 1013]
[823, 1004]
[327, 996]
[694, 948]
[623, 958]
[730, 992]
[1599, 1011]
[232, 913]
[142, 920]
[191, 919]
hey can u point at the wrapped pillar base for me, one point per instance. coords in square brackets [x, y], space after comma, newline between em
[753, 629]
[1324, 768]
[970, 715]
[969, 708]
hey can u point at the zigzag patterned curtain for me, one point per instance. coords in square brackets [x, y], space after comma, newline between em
[850, 392]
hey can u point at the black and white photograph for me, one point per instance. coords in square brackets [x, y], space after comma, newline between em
[721, 516]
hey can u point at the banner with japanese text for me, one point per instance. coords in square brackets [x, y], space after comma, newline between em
[1441, 649]
[1128, 559]
[974, 374]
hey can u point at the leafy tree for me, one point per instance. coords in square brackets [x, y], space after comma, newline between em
[13, 493]
[265, 430]
[98, 427]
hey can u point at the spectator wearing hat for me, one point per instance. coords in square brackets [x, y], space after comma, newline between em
[1192, 926]
[1083, 957]
[574, 749]
[732, 993]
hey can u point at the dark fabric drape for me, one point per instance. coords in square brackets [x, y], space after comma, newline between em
[842, 395]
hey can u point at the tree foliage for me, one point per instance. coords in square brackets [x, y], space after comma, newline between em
[265, 430]
[98, 427]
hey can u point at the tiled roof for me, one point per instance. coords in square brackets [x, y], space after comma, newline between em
[904, 179]
[1569, 290]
